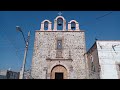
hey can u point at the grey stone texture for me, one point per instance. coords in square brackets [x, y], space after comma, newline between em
[45, 50]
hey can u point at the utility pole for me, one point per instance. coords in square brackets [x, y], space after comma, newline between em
[24, 60]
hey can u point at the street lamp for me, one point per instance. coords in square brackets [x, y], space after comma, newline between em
[19, 29]
[25, 53]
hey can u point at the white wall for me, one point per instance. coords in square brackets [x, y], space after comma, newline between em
[108, 57]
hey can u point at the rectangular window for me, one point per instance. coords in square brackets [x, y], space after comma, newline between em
[59, 44]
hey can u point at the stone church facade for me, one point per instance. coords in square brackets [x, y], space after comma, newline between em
[59, 52]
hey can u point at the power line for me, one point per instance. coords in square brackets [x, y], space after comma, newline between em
[11, 41]
[8, 38]
[103, 15]
[91, 22]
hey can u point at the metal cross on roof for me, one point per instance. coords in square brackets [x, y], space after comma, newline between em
[59, 13]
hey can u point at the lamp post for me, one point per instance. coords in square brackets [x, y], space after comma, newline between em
[25, 53]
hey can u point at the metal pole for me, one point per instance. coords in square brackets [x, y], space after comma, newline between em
[23, 36]
[25, 55]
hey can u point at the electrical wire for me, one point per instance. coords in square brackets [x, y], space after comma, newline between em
[99, 17]
[16, 50]
[8, 38]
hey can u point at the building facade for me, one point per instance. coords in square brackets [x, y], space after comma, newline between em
[59, 52]
[27, 74]
[103, 60]
[8, 74]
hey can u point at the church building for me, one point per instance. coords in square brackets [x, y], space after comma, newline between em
[59, 51]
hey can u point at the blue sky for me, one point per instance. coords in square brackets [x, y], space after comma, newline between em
[103, 25]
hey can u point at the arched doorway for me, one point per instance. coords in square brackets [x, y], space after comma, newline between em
[59, 72]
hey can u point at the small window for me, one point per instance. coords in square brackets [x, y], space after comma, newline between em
[59, 44]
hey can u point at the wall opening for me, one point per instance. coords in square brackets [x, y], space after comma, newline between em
[73, 26]
[59, 72]
[46, 25]
[59, 24]
[58, 75]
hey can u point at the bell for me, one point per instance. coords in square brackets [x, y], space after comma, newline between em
[46, 25]
[72, 27]
[59, 23]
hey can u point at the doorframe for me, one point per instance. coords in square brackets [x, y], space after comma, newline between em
[63, 73]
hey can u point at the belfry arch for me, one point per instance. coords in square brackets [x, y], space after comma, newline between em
[56, 23]
[76, 25]
[43, 25]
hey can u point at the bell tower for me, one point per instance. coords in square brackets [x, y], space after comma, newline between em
[59, 52]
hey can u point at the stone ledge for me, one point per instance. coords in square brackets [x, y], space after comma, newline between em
[58, 31]
[59, 59]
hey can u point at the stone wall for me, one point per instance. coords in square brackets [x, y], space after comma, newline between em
[72, 59]
[92, 55]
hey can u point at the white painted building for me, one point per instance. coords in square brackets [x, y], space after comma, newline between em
[8, 74]
[105, 57]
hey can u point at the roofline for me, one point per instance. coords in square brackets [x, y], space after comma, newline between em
[91, 47]
[101, 41]
[59, 31]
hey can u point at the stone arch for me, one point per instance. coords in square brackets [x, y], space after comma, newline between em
[55, 64]
[49, 25]
[59, 17]
[76, 25]
[55, 23]
[73, 21]
[59, 69]
[46, 20]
